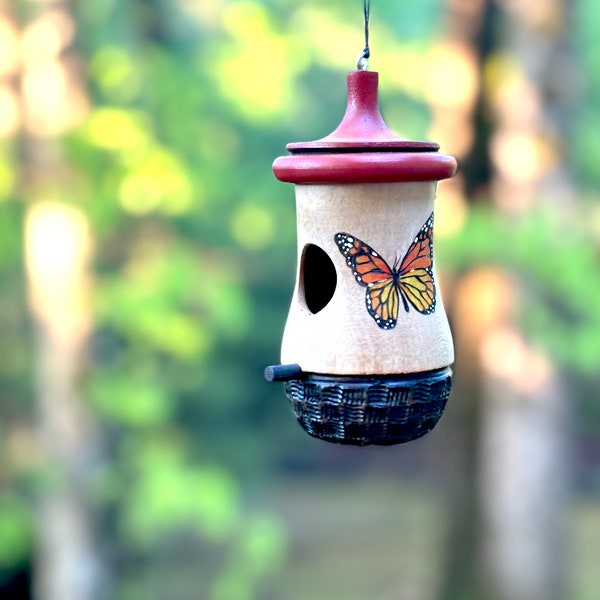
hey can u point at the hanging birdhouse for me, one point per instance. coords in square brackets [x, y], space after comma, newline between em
[367, 348]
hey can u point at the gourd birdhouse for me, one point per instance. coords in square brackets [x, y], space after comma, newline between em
[367, 348]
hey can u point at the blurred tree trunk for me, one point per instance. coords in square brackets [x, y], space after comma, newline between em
[461, 126]
[57, 244]
[524, 474]
[58, 247]
[508, 478]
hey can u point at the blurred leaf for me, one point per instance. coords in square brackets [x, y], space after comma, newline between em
[131, 399]
[260, 551]
[15, 531]
[169, 495]
[556, 265]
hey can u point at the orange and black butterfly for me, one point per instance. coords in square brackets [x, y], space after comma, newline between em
[412, 281]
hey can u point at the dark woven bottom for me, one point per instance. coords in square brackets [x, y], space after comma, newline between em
[386, 410]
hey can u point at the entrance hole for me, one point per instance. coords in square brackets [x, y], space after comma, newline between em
[318, 278]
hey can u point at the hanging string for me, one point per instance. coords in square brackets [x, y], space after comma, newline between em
[363, 58]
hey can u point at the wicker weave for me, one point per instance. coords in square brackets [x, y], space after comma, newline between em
[366, 410]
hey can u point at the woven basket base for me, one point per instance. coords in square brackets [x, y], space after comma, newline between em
[385, 410]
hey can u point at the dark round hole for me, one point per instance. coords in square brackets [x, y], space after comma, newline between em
[318, 278]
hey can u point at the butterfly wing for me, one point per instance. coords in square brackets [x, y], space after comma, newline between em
[372, 271]
[383, 300]
[415, 275]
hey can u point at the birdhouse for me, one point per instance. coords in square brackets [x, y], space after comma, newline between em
[367, 348]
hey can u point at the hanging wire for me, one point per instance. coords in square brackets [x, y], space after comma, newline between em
[363, 58]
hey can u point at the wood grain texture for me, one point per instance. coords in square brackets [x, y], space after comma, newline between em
[343, 338]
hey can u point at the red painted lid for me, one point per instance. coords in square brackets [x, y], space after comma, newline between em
[363, 149]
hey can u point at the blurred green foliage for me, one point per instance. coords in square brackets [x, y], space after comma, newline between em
[555, 264]
[194, 267]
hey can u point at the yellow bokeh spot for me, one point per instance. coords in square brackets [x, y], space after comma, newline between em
[333, 42]
[7, 179]
[593, 221]
[245, 19]
[158, 183]
[257, 69]
[451, 208]
[405, 69]
[499, 69]
[138, 194]
[452, 77]
[117, 129]
[253, 226]
[521, 157]
[10, 112]
[114, 70]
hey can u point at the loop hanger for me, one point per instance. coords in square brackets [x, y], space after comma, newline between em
[362, 63]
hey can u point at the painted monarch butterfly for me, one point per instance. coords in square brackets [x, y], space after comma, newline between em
[412, 281]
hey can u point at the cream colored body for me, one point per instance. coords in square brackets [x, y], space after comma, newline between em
[343, 338]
